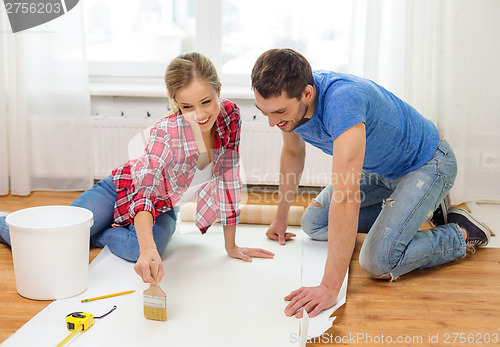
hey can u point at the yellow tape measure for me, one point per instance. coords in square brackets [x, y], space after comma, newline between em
[78, 322]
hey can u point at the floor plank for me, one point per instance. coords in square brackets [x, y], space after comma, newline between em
[462, 297]
[431, 305]
[16, 310]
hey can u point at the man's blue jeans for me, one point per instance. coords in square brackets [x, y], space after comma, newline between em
[122, 241]
[392, 211]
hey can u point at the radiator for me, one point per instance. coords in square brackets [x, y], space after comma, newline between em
[260, 150]
[110, 138]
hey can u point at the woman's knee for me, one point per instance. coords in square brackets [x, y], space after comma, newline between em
[163, 229]
[130, 249]
[129, 252]
[121, 241]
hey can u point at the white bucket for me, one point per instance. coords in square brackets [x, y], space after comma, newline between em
[50, 249]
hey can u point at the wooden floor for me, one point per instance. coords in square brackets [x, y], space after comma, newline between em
[15, 310]
[456, 304]
[451, 305]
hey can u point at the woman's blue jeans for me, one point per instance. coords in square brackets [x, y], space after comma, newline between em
[122, 241]
[392, 211]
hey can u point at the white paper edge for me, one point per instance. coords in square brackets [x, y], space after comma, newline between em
[316, 326]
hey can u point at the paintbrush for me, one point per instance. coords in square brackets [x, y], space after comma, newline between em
[155, 303]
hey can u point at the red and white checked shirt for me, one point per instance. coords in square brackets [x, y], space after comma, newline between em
[156, 181]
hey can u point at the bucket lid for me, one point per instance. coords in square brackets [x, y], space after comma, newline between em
[48, 217]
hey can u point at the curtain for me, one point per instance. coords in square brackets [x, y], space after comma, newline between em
[44, 107]
[442, 58]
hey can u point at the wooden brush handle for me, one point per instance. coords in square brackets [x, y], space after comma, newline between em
[154, 290]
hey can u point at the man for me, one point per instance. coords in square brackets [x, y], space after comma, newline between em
[391, 169]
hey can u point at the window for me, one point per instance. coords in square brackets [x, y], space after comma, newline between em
[137, 38]
[319, 30]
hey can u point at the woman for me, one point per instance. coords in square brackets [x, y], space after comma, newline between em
[193, 152]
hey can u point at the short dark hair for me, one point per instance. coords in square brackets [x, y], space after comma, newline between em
[278, 70]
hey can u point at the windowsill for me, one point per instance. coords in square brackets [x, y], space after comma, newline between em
[130, 90]
[155, 91]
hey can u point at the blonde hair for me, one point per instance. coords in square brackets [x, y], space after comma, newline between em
[185, 69]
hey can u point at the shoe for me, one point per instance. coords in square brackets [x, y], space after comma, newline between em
[440, 216]
[478, 233]
[2, 238]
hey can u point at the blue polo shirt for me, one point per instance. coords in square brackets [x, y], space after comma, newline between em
[398, 138]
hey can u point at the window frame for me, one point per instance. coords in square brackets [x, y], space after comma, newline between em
[208, 41]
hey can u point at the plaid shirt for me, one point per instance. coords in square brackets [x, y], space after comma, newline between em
[156, 181]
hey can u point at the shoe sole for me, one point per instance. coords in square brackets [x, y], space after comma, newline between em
[445, 207]
[473, 220]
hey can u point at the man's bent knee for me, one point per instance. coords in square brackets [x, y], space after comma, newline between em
[311, 227]
[374, 265]
[319, 234]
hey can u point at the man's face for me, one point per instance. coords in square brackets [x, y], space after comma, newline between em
[282, 111]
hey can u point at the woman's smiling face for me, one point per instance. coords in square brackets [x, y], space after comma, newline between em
[199, 104]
